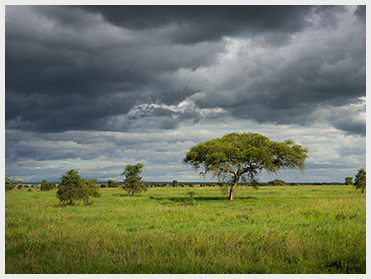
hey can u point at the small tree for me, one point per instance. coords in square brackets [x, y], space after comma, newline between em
[72, 187]
[245, 155]
[360, 180]
[133, 181]
[175, 183]
[93, 189]
[47, 186]
[8, 185]
[349, 180]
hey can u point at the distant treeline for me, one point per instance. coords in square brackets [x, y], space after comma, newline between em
[115, 184]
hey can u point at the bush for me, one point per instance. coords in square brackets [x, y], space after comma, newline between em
[19, 186]
[112, 184]
[133, 181]
[93, 189]
[72, 187]
[47, 186]
[276, 182]
[8, 184]
[349, 180]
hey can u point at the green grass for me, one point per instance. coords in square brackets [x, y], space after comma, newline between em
[288, 229]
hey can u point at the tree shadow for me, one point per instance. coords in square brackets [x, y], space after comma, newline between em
[201, 199]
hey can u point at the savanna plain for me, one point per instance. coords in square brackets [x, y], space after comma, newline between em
[280, 229]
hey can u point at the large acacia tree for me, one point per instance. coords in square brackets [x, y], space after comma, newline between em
[245, 155]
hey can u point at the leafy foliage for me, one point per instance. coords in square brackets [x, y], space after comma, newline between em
[276, 182]
[93, 189]
[47, 186]
[245, 155]
[349, 180]
[72, 187]
[133, 180]
[360, 180]
[8, 184]
[112, 183]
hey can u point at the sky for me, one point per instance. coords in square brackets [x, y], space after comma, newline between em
[94, 88]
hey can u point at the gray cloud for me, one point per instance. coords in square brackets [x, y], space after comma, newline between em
[73, 71]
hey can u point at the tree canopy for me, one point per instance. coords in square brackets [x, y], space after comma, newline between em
[133, 180]
[349, 180]
[360, 180]
[245, 155]
[72, 187]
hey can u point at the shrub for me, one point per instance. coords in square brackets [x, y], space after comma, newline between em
[93, 189]
[47, 186]
[133, 181]
[19, 186]
[112, 184]
[72, 187]
[349, 180]
[276, 182]
[8, 184]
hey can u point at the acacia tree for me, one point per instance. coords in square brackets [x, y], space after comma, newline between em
[133, 180]
[360, 180]
[245, 155]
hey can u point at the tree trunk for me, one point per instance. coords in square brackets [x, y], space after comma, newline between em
[231, 192]
[233, 187]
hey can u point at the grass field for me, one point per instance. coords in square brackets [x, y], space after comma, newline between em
[288, 229]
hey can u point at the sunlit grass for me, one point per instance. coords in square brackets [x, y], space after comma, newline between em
[288, 229]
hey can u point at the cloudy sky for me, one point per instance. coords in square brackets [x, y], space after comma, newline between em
[97, 87]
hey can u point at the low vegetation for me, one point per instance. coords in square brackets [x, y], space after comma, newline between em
[280, 229]
[47, 186]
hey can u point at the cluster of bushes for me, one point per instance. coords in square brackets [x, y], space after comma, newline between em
[11, 184]
[47, 186]
[73, 187]
[110, 184]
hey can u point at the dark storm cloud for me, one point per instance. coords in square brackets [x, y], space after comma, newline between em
[205, 23]
[102, 67]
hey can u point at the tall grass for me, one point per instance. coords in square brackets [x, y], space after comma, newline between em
[288, 229]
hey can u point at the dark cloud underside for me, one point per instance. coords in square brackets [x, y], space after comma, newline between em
[134, 69]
